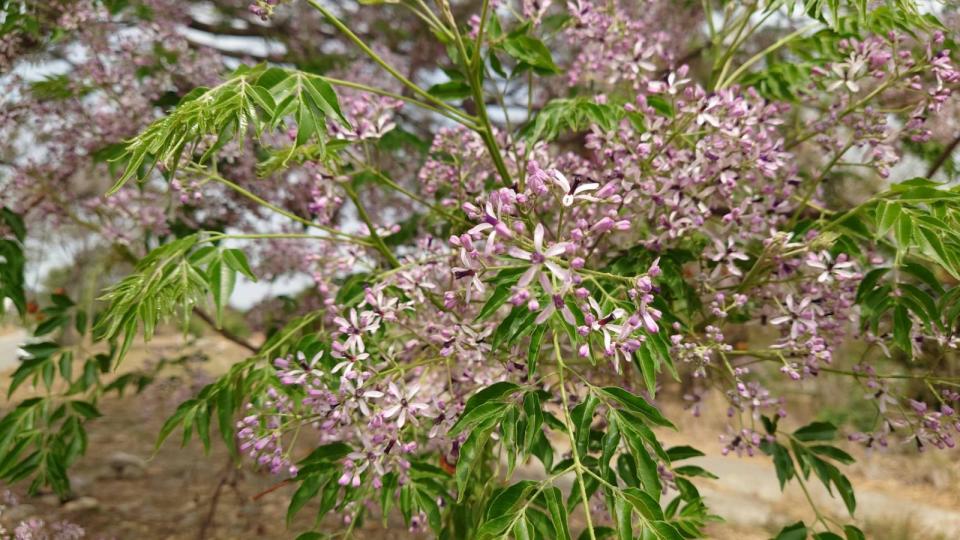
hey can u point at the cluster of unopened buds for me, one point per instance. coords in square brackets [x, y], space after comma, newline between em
[260, 433]
[187, 194]
[743, 441]
[263, 8]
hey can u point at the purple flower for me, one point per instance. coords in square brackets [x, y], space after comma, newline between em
[840, 269]
[575, 191]
[540, 257]
[404, 406]
[492, 223]
[727, 255]
[800, 315]
[555, 302]
[297, 371]
[354, 328]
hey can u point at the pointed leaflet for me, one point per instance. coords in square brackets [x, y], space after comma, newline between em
[582, 416]
[530, 50]
[497, 299]
[886, 217]
[636, 404]
[558, 512]
[648, 368]
[222, 278]
[816, 431]
[797, 531]
[494, 392]
[308, 489]
[534, 414]
[237, 259]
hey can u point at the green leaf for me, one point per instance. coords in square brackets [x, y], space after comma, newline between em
[532, 51]
[832, 452]
[14, 222]
[534, 414]
[450, 90]
[479, 415]
[844, 488]
[904, 232]
[923, 274]
[887, 215]
[494, 392]
[663, 530]
[770, 425]
[853, 533]
[66, 365]
[797, 531]
[645, 505]
[428, 505]
[533, 351]
[558, 512]
[648, 367]
[85, 409]
[570, 115]
[783, 463]
[43, 349]
[222, 279]
[901, 329]
[678, 453]
[647, 470]
[470, 453]
[623, 517]
[80, 322]
[816, 431]
[938, 249]
[50, 325]
[636, 404]
[327, 453]
[225, 410]
[694, 470]
[175, 419]
[582, 416]
[507, 500]
[309, 488]
[237, 260]
[497, 299]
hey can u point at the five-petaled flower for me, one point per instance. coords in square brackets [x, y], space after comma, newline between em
[575, 191]
[800, 315]
[404, 407]
[364, 323]
[540, 257]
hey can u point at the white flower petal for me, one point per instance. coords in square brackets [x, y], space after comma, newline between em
[556, 250]
[538, 238]
[390, 412]
[561, 181]
[583, 188]
[528, 276]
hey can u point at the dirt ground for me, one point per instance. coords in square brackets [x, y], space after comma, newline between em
[126, 491]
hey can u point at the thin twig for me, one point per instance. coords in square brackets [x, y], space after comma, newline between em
[208, 522]
[943, 157]
[271, 489]
[224, 332]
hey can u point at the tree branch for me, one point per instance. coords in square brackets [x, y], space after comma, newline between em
[943, 157]
[224, 332]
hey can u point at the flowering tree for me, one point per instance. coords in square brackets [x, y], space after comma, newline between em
[520, 218]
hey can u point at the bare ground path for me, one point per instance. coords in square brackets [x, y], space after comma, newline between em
[10, 342]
